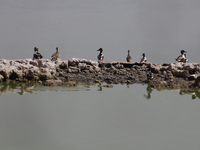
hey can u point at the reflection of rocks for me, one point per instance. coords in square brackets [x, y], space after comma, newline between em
[15, 87]
[59, 83]
[108, 85]
[6, 88]
[165, 75]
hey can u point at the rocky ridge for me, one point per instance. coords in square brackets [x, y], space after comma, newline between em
[63, 72]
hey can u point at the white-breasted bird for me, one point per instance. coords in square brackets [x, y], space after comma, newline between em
[36, 54]
[193, 76]
[144, 59]
[100, 57]
[182, 57]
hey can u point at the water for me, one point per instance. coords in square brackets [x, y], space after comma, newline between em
[87, 117]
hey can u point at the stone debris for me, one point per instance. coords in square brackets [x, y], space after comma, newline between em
[59, 72]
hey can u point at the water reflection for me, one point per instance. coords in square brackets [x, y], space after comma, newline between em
[149, 90]
[195, 93]
[14, 87]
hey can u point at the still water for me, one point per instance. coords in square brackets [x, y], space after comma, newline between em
[87, 117]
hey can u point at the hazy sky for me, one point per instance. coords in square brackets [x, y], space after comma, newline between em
[159, 28]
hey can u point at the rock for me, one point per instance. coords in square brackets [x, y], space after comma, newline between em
[180, 73]
[82, 66]
[158, 84]
[97, 69]
[73, 69]
[64, 65]
[76, 69]
[112, 69]
[30, 75]
[34, 63]
[73, 62]
[163, 83]
[169, 76]
[54, 81]
[91, 70]
[45, 76]
[128, 81]
[197, 81]
[119, 66]
[97, 81]
[1, 78]
[86, 71]
[4, 73]
[164, 73]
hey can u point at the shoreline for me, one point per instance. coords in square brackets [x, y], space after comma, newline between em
[65, 72]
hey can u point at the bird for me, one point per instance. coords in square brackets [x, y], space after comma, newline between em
[55, 55]
[100, 57]
[149, 74]
[182, 57]
[185, 60]
[36, 54]
[192, 76]
[144, 59]
[29, 87]
[128, 58]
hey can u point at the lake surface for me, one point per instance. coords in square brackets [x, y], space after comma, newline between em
[87, 117]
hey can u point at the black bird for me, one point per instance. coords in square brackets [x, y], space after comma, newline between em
[144, 59]
[192, 76]
[36, 54]
[100, 57]
[182, 57]
[185, 60]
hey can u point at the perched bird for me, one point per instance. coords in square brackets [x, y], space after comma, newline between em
[149, 74]
[100, 57]
[55, 55]
[182, 57]
[144, 59]
[29, 87]
[36, 54]
[128, 58]
[192, 76]
[185, 60]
